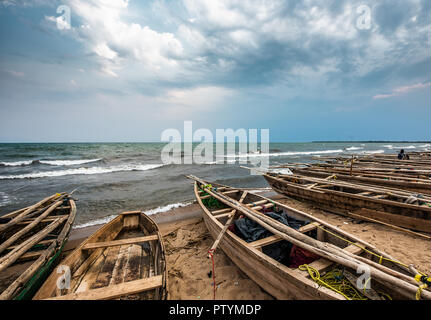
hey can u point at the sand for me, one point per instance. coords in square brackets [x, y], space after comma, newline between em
[187, 242]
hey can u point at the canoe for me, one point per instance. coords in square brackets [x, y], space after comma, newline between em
[125, 259]
[281, 279]
[404, 183]
[31, 241]
[382, 204]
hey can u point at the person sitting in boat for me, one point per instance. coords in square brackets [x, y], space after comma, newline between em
[402, 155]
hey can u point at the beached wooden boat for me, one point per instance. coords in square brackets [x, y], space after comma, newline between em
[124, 259]
[31, 241]
[397, 182]
[397, 207]
[305, 281]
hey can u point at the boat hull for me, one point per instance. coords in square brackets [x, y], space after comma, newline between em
[273, 277]
[399, 214]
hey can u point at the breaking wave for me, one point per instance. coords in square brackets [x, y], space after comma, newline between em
[84, 171]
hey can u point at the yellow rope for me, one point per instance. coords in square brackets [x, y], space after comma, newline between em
[421, 277]
[335, 281]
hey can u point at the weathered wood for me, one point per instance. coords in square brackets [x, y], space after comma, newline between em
[56, 245]
[12, 256]
[23, 231]
[115, 291]
[23, 214]
[112, 256]
[96, 245]
[401, 283]
[228, 223]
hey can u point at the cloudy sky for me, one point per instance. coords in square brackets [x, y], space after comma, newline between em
[126, 70]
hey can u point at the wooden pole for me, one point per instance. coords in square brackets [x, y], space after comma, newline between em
[228, 223]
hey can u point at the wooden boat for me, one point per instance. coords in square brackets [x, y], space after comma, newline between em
[124, 259]
[405, 183]
[31, 241]
[379, 203]
[278, 279]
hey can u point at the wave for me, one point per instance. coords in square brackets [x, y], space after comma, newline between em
[148, 212]
[68, 162]
[400, 147]
[84, 171]
[425, 146]
[279, 154]
[17, 163]
[354, 148]
[48, 162]
[373, 151]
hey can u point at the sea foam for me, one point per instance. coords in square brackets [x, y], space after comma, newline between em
[84, 171]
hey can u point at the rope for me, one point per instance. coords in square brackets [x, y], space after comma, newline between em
[420, 277]
[211, 253]
[335, 281]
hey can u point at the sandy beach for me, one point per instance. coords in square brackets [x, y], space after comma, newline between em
[187, 242]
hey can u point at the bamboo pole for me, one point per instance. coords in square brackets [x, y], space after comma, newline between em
[22, 215]
[12, 256]
[50, 251]
[23, 231]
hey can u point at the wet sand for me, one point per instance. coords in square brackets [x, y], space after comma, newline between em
[187, 242]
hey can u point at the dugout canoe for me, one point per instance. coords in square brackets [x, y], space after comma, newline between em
[405, 183]
[382, 204]
[277, 278]
[125, 259]
[31, 241]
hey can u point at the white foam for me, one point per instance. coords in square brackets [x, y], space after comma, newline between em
[4, 199]
[17, 163]
[373, 151]
[68, 162]
[148, 212]
[279, 154]
[389, 146]
[354, 148]
[84, 171]
[425, 146]
[282, 171]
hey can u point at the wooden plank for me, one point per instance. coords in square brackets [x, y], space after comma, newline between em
[253, 204]
[131, 222]
[115, 291]
[273, 239]
[227, 192]
[104, 276]
[133, 266]
[91, 275]
[118, 272]
[130, 213]
[96, 245]
[323, 264]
